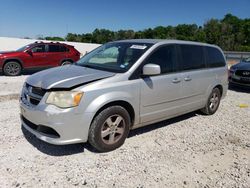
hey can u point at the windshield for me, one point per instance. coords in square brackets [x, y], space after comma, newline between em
[23, 48]
[115, 56]
[247, 60]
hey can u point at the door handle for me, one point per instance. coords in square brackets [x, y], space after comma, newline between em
[176, 80]
[187, 78]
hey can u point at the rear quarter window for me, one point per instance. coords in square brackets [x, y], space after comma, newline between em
[214, 57]
[63, 49]
[58, 48]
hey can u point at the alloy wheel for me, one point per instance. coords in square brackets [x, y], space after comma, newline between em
[113, 129]
[12, 68]
[214, 101]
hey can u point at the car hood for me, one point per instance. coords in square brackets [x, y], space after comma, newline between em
[242, 66]
[9, 53]
[66, 77]
[6, 52]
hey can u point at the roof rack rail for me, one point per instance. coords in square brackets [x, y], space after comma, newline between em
[37, 42]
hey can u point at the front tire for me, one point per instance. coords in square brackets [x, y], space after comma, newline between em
[109, 129]
[12, 68]
[213, 102]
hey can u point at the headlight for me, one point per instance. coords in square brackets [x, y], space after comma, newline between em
[64, 99]
[232, 69]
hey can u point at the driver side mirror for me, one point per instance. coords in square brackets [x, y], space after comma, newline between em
[151, 69]
[29, 52]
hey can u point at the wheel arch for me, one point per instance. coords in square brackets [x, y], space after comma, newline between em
[126, 105]
[13, 59]
[216, 84]
[66, 59]
[220, 87]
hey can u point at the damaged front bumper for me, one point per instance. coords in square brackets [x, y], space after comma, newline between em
[54, 125]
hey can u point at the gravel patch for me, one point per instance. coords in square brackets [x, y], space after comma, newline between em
[11, 85]
[189, 151]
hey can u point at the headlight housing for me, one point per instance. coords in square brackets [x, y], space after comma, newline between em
[232, 69]
[64, 99]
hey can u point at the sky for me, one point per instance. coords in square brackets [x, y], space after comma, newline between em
[33, 18]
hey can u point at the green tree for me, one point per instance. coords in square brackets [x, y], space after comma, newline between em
[71, 37]
[212, 31]
[230, 33]
[54, 38]
[186, 32]
[160, 32]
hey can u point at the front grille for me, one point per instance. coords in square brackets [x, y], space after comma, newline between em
[242, 73]
[33, 94]
[41, 128]
[241, 81]
[34, 101]
[38, 91]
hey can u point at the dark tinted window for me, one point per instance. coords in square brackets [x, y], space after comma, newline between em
[165, 57]
[63, 49]
[214, 57]
[54, 48]
[192, 57]
[38, 49]
[57, 48]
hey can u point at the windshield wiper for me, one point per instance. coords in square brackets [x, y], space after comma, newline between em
[88, 66]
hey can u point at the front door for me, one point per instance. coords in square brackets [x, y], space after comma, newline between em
[39, 57]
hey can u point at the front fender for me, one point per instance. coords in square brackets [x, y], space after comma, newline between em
[106, 98]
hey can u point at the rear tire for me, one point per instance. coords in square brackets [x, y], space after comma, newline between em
[212, 103]
[12, 68]
[109, 129]
[66, 62]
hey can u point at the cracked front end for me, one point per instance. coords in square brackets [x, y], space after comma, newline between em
[50, 123]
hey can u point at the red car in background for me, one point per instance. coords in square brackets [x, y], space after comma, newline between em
[36, 56]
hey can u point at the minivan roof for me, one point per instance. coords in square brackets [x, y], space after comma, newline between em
[155, 41]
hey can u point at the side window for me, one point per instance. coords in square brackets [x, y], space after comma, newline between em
[54, 48]
[165, 57]
[192, 57]
[214, 57]
[63, 49]
[38, 49]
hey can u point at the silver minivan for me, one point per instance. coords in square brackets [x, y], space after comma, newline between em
[121, 86]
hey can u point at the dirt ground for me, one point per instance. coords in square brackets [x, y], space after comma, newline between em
[189, 151]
